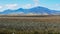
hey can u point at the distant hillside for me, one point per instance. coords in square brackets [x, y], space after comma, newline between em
[32, 11]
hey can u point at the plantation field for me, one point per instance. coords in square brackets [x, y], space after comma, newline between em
[30, 25]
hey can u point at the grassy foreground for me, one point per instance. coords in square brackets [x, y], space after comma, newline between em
[30, 25]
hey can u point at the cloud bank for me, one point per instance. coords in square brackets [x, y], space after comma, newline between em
[36, 2]
[12, 6]
[1, 7]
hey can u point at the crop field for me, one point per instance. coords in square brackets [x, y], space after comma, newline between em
[30, 25]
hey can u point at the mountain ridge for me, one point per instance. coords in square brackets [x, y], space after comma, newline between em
[36, 10]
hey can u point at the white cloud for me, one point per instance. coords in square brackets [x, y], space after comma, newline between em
[1, 7]
[11, 6]
[57, 5]
[36, 2]
[27, 6]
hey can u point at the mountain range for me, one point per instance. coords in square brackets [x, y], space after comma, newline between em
[36, 10]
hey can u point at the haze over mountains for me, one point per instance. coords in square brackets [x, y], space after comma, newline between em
[32, 11]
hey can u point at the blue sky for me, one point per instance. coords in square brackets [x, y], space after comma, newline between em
[15, 4]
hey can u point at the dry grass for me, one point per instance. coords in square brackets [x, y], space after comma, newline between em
[30, 25]
[36, 19]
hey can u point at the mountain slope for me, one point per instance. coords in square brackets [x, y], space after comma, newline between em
[35, 10]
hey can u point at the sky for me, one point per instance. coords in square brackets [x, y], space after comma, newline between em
[26, 4]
